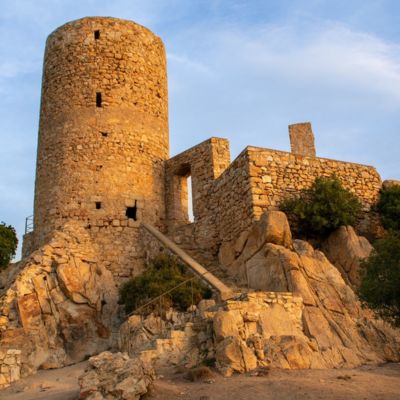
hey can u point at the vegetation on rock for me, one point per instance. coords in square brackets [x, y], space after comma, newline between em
[388, 207]
[8, 244]
[324, 207]
[380, 286]
[162, 274]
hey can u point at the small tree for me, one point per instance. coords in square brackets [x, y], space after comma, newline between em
[388, 207]
[380, 285]
[323, 208]
[161, 275]
[8, 244]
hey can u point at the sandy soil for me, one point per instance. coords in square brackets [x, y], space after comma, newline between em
[366, 383]
[53, 384]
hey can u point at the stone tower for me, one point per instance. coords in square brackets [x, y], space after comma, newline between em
[103, 136]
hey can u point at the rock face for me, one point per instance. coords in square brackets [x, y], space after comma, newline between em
[115, 376]
[58, 310]
[336, 331]
[273, 227]
[345, 249]
[171, 340]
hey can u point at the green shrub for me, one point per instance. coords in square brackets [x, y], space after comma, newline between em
[323, 208]
[380, 284]
[8, 244]
[162, 274]
[388, 207]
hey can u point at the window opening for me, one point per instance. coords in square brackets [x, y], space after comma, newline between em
[189, 199]
[131, 212]
[97, 35]
[98, 99]
[104, 134]
[98, 205]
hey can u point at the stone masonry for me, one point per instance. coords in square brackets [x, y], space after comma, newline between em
[228, 198]
[103, 135]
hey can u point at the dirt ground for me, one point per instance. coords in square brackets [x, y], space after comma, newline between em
[365, 383]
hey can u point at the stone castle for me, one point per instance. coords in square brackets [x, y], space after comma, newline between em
[103, 154]
[108, 197]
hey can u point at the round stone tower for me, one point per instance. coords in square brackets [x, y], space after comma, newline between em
[103, 135]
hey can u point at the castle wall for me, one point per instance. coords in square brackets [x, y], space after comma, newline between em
[225, 204]
[276, 175]
[103, 136]
[204, 163]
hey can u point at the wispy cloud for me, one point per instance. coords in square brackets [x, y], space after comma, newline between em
[239, 69]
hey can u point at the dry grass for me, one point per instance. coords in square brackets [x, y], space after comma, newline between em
[199, 374]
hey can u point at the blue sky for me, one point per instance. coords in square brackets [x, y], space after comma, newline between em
[238, 69]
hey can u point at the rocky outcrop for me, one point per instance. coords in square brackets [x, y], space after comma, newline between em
[115, 376]
[336, 330]
[174, 339]
[59, 308]
[345, 250]
[262, 329]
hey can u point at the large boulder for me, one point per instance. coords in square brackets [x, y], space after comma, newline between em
[115, 376]
[345, 249]
[233, 355]
[273, 227]
[60, 307]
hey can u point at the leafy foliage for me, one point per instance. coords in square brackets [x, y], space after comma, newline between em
[8, 244]
[323, 208]
[162, 274]
[388, 207]
[380, 286]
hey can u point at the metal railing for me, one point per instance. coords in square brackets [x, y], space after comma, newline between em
[158, 299]
[28, 224]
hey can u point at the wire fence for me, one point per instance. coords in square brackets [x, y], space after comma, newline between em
[157, 302]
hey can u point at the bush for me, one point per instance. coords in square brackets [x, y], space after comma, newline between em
[200, 374]
[8, 244]
[388, 207]
[380, 285]
[162, 274]
[323, 208]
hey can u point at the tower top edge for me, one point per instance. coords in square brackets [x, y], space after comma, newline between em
[96, 22]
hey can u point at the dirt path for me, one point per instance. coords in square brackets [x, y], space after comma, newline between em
[54, 384]
[366, 383]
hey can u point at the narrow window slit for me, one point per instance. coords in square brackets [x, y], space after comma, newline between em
[97, 35]
[98, 205]
[131, 212]
[98, 99]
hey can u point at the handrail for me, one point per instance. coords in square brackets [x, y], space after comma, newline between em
[28, 224]
[211, 279]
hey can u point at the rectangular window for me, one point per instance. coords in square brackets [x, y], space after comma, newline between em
[98, 99]
[97, 35]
